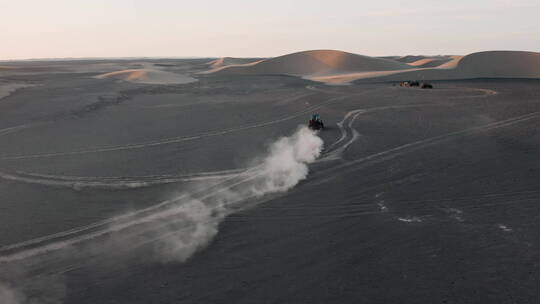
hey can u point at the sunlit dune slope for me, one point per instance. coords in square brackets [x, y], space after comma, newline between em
[430, 62]
[317, 63]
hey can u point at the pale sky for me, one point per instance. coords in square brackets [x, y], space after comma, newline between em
[207, 28]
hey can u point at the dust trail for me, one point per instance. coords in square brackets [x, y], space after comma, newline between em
[39, 290]
[101, 227]
[179, 227]
[9, 295]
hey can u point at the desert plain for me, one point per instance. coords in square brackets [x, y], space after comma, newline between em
[157, 180]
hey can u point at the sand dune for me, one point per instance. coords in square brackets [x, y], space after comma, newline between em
[226, 61]
[411, 58]
[148, 76]
[431, 62]
[452, 63]
[395, 58]
[490, 64]
[336, 67]
[347, 78]
[506, 64]
[311, 64]
[421, 61]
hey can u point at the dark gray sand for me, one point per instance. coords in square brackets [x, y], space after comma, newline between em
[422, 196]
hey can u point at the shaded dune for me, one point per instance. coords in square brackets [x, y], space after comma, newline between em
[509, 64]
[148, 76]
[411, 58]
[490, 64]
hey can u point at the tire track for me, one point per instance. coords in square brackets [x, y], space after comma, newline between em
[77, 235]
[171, 140]
[397, 151]
[14, 129]
[79, 182]
[116, 183]
[162, 210]
[334, 151]
[486, 93]
[458, 208]
[204, 209]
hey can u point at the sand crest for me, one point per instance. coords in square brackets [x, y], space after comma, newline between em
[317, 63]
[227, 61]
[336, 67]
[148, 76]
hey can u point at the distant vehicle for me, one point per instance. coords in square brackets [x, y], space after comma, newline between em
[426, 85]
[316, 123]
[409, 83]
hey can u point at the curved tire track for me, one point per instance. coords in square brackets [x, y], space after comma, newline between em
[406, 148]
[79, 182]
[171, 140]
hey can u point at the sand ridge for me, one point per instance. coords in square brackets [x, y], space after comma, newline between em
[489, 64]
[432, 62]
[227, 61]
[501, 64]
[148, 76]
[337, 67]
[317, 63]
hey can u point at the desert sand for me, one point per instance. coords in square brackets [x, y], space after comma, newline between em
[500, 64]
[125, 192]
[490, 64]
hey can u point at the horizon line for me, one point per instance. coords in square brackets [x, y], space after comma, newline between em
[85, 58]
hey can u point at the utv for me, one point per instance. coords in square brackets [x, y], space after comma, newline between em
[315, 123]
